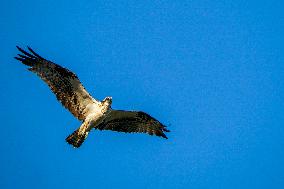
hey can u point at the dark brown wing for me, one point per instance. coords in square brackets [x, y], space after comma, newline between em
[133, 122]
[63, 83]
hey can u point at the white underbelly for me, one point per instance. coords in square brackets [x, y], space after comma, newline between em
[95, 115]
[98, 119]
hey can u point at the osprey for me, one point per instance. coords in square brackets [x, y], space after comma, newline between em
[93, 113]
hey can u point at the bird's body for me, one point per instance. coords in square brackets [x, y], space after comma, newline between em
[93, 113]
[96, 113]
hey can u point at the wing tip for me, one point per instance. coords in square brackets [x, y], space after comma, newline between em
[17, 58]
[161, 134]
[34, 53]
[165, 137]
[166, 130]
[27, 58]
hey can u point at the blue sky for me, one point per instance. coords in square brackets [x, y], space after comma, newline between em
[212, 70]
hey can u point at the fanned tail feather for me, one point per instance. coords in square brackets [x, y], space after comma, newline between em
[77, 138]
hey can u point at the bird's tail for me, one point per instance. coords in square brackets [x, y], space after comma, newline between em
[77, 138]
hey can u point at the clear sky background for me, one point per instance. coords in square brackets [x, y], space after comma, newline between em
[212, 70]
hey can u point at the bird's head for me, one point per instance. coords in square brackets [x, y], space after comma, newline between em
[107, 101]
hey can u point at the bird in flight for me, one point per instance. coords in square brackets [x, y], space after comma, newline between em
[91, 112]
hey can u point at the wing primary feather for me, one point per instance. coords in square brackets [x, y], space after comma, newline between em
[20, 59]
[27, 61]
[34, 53]
[166, 130]
[162, 135]
[22, 56]
[24, 52]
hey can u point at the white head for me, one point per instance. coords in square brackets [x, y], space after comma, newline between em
[107, 101]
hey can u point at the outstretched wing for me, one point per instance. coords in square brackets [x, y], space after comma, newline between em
[63, 83]
[132, 122]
